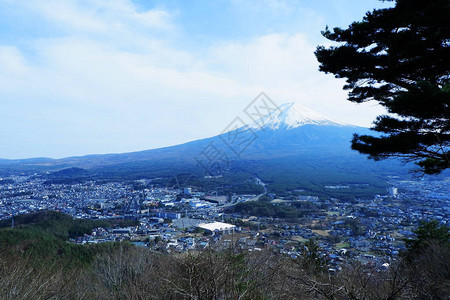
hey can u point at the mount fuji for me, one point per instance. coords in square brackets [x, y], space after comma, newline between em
[293, 147]
[294, 129]
[293, 115]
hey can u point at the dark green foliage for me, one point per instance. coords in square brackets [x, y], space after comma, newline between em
[311, 259]
[428, 233]
[21, 194]
[267, 209]
[312, 173]
[355, 226]
[399, 57]
[43, 236]
[63, 226]
[428, 261]
[44, 248]
[234, 181]
[265, 198]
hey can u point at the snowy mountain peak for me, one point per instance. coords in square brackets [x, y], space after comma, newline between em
[293, 115]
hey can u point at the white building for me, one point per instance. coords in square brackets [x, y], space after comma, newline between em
[217, 226]
[393, 192]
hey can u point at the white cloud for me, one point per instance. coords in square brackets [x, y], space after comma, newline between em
[116, 80]
[100, 16]
[285, 67]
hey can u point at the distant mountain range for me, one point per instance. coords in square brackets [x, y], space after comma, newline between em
[291, 148]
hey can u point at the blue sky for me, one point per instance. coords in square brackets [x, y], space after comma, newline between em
[97, 76]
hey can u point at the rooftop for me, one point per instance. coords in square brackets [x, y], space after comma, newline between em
[216, 226]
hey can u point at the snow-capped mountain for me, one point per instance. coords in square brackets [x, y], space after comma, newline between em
[289, 130]
[287, 148]
[293, 115]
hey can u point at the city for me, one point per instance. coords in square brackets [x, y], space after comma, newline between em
[172, 219]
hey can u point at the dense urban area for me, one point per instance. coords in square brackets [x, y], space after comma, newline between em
[181, 218]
